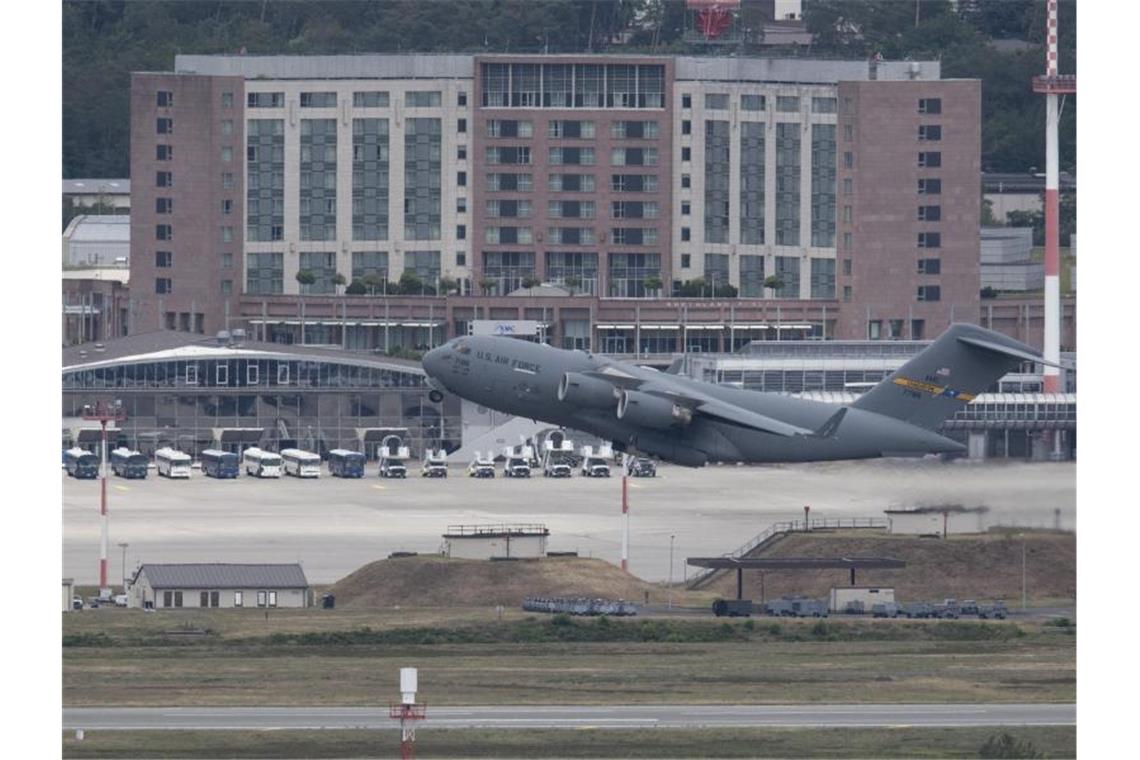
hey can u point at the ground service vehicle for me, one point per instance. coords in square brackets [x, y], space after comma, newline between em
[261, 463]
[516, 467]
[809, 608]
[128, 464]
[885, 610]
[780, 607]
[435, 464]
[732, 608]
[482, 466]
[997, 611]
[595, 467]
[969, 607]
[172, 463]
[219, 464]
[948, 609]
[81, 464]
[918, 610]
[393, 468]
[641, 467]
[346, 464]
[301, 464]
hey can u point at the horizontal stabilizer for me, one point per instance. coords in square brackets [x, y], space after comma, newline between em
[1016, 353]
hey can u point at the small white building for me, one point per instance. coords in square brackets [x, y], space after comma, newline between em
[68, 593]
[936, 521]
[516, 541]
[218, 585]
[841, 596]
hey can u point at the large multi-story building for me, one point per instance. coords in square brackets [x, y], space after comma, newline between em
[675, 203]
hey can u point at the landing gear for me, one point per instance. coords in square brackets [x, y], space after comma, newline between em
[435, 396]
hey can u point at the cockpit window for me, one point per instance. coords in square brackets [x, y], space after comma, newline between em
[462, 347]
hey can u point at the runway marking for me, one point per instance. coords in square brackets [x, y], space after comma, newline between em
[121, 488]
[380, 488]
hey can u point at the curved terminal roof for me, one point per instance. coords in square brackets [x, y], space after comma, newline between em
[170, 345]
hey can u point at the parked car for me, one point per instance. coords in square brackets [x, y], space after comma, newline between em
[433, 469]
[885, 610]
[997, 611]
[809, 608]
[393, 468]
[76, 603]
[969, 607]
[595, 467]
[516, 467]
[481, 468]
[641, 467]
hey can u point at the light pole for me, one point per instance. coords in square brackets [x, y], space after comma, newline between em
[1023, 592]
[123, 545]
[671, 537]
[103, 413]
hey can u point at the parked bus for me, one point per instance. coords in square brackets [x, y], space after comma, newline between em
[128, 464]
[262, 464]
[172, 463]
[81, 464]
[303, 464]
[346, 464]
[219, 464]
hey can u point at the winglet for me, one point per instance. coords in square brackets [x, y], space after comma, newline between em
[1000, 348]
[831, 426]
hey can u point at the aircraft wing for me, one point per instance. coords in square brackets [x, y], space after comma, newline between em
[700, 403]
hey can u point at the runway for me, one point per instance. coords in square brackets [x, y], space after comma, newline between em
[575, 716]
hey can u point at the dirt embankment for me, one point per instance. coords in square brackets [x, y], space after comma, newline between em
[977, 566]
[442, 582]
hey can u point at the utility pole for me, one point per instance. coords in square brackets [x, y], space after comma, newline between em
[625, 460]
[671, 537]
[104, 413]
[123, 545]
[1023, 589]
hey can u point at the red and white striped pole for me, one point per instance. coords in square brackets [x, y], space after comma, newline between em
[625, 514]
[1052, 379]
[104, 588]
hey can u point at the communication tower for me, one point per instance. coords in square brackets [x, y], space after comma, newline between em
[407, 712]
[103, 413]
[712, 21]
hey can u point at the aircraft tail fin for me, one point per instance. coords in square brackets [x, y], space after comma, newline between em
[947, 375]
[675, 366]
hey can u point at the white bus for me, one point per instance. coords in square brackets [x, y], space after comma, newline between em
[303, 464]
[172, 463]
[261, 464]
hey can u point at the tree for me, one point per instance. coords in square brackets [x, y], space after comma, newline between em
[448, 285]
[531, 281]
[1007, 746]
[572, 283]
[653, 283]
[410, 284]
[375, 281]
[305, 277]
[338, 280]
[356, 288]
[773, 282]
[487, 285]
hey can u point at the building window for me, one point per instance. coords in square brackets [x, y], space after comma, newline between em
[847, 214]
[848, 185]
[461, 126]
[461, 232]
[272, 598]
[318, 100]
[930, 266]
[930, 132]
[163, 232]
[164, 126]
[265, 273]
[929, 213]
[227, 287]
[163, 259]
[238, 599]
[875, 329]
[227, 127]
[515, 128]
[265, 100]
[847, 267]
[163, 285]
[847, 294]
[261, 596]
[847, 241]
[929, 240]
[917, 329]
[569, 129]
[227, 207]
[929, 160]
[823, 105]
[686, 100]
[822, 278]
[686, 127]
[461, 259]
[227, 261]
[787, 103]
[227, 154]
[461, 98]
[752, 103]
[788, 183]
[461, 179]
[686, 208]
[848, 133]
[686, 260]
[716, 101]
[461, 203]
[930, 105]
[164, 206]
[848, 160]
[686, 181]
[165, 99]
[929, 293]
[227, 100]
[686, 234]
[164, 152]
[686, 153]
[227, 180]
[423, 98]
[930, 187]
[371, 99]
[461, 152]
[227, 234]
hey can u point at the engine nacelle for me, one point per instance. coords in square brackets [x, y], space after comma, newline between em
[669, 450]
[583, 390]
[642, 409]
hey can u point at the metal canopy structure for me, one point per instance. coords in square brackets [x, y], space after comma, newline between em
[794, 563]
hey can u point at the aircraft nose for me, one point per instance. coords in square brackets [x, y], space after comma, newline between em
[433, 360]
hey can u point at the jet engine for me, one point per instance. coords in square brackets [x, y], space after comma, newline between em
[643, 409]
[583, 390]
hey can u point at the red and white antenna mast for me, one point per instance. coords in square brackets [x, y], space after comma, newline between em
[103, 413]
[408, 712]
[1051, 85]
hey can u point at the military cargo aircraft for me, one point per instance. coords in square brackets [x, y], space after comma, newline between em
[692, 423]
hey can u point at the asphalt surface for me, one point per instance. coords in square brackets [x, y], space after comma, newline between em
[574, 716]
[334, 526]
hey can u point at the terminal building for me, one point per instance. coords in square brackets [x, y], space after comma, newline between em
[390, 200]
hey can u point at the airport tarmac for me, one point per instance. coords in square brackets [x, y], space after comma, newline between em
[334, 526]
[574, 716]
